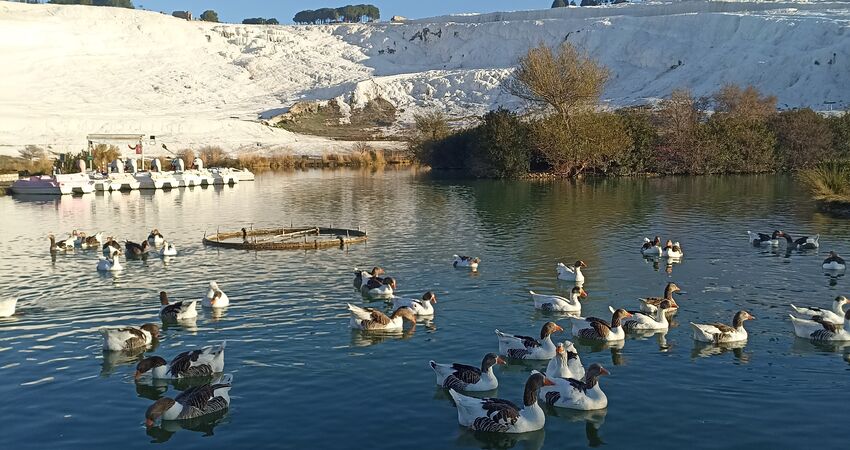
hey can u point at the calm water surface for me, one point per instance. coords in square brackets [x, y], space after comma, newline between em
[302, 379]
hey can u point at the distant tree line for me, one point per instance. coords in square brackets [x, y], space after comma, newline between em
[349, 13]
[260, 21]
[564, 3]
[115, 3]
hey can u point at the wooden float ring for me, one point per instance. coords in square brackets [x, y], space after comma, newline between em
[343, 237]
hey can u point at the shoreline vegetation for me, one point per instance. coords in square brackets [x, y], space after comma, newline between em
[34, 160]
[566, 132]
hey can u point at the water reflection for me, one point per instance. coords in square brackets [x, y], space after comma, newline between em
[478, 439]
[593, 421]
[364, 338]
[203, 425]
[114, 360]
[807, 346]
[706, 350]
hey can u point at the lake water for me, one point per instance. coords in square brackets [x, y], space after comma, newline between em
[302, 379]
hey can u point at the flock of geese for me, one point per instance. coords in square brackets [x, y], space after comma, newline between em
[203, 397]
[565, 383]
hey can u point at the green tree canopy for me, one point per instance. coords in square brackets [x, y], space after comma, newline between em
[209, 16]
[559, 4]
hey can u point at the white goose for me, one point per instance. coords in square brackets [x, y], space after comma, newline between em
[109, 264]
[526, 347]
[423, 307]
[672, 250]
[215, 298]
[462, 377]
[175, 312]
[834, 262]
[373, 320]
[192, 403]
[377, 288]
[596, 329]
[168, 249]
[651, 247]
[573, 393]
[202, 362]
[129, 338]
[827, 332]
[571, 273]
[466, 261]
[558, 303]
[835, 315]
[7, 306]
[762, 239]
[642, 321]
[502, 416]
[566, 363]
[719, 333]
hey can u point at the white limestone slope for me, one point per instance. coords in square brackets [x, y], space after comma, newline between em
[71, 70]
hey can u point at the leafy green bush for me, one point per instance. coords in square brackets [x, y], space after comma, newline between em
[501, 147]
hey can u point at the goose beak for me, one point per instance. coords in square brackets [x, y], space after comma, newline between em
[583, 294]
[604, 371]
[628, 314]
[559, 349]
[547, 382]
[137, 375]
[148, 423]
[499, 360]
[558, 328]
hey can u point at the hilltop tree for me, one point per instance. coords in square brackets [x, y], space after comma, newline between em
[589, 3]
[348, 13]
[559, 4]
[209, 16]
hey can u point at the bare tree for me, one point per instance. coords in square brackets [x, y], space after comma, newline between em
[567, 81]
[32, 153]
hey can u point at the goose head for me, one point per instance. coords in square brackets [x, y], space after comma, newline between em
[147, 365]
[376, 271]
[151, 328]
[577, 293]
[740, 317]
[594, 372]
[535, 381]
[490, 360]
[619, 315]
[163, 298]
[548, 329]
[579, 264]
[669, 244]
[429, 297]
[839, 302]
[390, 281]
[156, 410]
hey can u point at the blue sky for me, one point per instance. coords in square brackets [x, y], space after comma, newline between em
[284, 10]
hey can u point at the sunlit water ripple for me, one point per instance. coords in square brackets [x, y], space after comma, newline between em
[303, 380]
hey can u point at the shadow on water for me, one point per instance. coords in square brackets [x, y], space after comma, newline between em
[593, 421]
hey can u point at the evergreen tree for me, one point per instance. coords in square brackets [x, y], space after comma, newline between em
[209, 16]
[559, 4]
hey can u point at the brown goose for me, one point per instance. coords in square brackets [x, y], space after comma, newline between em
[502, 416]
[374, 320]
[526, 347]
[128, 338]
[718, 333]
[461, 377]
[192, 403]
[650, 304]
[600, 330]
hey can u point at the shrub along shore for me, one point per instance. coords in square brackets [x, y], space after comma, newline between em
[566, 133]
